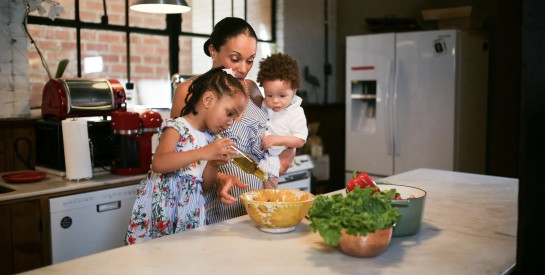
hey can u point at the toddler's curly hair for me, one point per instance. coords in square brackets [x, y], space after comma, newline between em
[279, 67]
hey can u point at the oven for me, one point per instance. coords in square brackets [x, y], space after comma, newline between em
[298, 176]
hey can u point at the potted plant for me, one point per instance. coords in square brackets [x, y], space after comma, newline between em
[360, 222]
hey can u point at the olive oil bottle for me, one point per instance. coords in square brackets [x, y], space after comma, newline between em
[247, 164]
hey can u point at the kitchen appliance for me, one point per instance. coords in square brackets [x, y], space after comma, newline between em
[132, 141]
[50, 144]
[94, 99]
[63, 98]
[298, 176]
[91, 222]
[411, 205]
[416, 99]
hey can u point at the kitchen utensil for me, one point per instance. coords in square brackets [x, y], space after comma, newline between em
[24, 177]
[277, 210]
[411, 207]
[370, 245]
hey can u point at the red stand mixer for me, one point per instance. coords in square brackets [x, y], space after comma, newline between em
[132, 139]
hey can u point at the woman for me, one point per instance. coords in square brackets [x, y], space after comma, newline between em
[233, 44]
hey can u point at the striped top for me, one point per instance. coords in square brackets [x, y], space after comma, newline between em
[246, 134]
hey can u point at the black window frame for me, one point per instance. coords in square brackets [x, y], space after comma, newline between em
[173, 31]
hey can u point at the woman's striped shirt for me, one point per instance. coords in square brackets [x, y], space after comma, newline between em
[246, 133]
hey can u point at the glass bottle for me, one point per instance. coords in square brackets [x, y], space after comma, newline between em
[246, 162]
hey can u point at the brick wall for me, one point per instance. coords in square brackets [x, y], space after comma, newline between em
[23, 75]
[149, 53]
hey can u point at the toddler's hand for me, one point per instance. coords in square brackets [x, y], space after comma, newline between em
[267, 142]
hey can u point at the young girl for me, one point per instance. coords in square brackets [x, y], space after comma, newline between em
[171, 199]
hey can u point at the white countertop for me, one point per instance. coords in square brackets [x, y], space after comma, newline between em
[469, 227]
[53, 184]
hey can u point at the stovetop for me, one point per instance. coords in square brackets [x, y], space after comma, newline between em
[301, 163]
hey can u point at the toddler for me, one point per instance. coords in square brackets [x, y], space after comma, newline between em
[286, 122]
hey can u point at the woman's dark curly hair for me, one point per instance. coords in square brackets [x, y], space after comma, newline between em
[279, 67]
[226, 29]
[216, 80]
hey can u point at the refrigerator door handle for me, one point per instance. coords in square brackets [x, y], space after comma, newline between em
[389, 111]
[393, 113]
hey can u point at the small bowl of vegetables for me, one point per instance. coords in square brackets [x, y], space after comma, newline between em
[410, 201]
[359, 222]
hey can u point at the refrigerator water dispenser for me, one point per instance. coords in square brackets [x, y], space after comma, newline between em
[363, 101]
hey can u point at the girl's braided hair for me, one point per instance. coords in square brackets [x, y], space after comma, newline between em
[216, 80]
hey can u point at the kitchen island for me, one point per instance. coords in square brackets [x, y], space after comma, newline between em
[469, 227]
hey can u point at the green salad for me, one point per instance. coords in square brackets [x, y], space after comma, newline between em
[360, 212]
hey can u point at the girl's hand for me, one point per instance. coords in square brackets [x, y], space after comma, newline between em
[219, 151]
[224, 185]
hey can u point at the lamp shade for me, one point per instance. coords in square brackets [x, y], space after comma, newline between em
[160, 6]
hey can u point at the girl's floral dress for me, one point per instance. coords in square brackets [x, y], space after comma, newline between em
[168, 203]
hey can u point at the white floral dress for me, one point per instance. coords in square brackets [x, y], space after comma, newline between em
[168, 203]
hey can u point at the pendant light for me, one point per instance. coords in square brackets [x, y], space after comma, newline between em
[160, 6]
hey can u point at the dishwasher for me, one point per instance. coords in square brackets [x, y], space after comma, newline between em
[87, 223]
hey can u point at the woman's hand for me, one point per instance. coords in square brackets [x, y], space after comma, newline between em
[286, 159]
[225, 184]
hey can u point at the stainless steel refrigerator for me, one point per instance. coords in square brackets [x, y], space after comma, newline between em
[416, 100]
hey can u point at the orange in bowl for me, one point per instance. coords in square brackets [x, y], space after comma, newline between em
[277, 210]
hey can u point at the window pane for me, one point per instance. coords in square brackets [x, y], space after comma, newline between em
[199, 19]
[147, 20]
[238, 8]
[56, 44]
[185, 55]
[201, 62]
[93, 11]
[150, 71]
[187, 17]
[222, 9]
[259, 16]
[103, 54]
